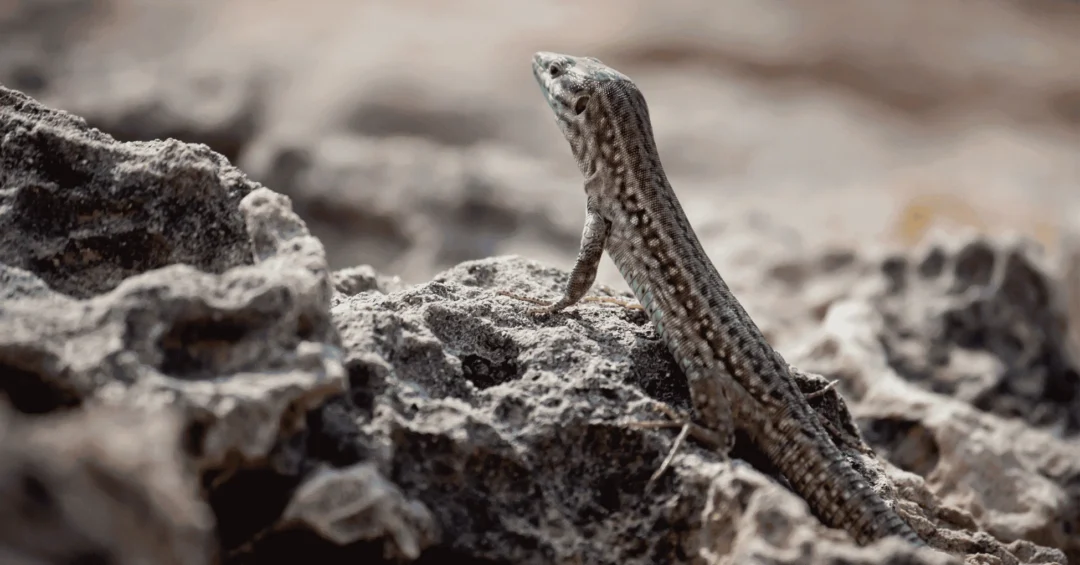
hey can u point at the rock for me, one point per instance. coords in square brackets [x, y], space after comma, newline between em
[965, 467]
[99, 486]
[359, 503]
[363, 278]
[237, 343]
[983, 321]
[472, 394]
[83, 214]
[346, 417]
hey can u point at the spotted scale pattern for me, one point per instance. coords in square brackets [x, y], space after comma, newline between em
[736, 378]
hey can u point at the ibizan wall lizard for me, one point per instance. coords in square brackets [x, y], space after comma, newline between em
[736, 378]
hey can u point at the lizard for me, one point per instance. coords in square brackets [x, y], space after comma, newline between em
[735, 377]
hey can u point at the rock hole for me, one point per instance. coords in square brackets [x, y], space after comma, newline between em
[333, 435]
[932, 264]
[974, 266]
[485, 373]
[364, 383]
[32, 393]
[305, 327]
[192, 346]
[895, 271]
[906, 443]
[193, 437]
[247, 503]
[56, 161]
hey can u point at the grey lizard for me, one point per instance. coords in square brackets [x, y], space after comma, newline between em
[736, 378]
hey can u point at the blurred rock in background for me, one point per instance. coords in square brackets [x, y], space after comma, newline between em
[846, 120]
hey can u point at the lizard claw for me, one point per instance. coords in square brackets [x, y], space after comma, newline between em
[546, 307]
[708, 437]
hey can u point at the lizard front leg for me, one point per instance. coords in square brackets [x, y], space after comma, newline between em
[583, 274]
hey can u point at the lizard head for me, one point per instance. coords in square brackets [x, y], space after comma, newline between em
[586, 97]
[571, 83]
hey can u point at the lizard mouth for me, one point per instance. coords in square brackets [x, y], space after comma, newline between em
[538, 69]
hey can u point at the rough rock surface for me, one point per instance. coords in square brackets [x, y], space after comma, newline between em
[233, 383]
[150, 205]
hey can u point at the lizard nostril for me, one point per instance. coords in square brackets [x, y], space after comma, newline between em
[554, 70]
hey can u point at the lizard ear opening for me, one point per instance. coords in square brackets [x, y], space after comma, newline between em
[580, 104]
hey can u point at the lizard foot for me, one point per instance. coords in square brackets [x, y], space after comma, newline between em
[546, 305]
[840, 437]
[688, 428]
[821, 391]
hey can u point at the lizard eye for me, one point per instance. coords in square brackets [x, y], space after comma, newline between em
[580, 104]
[554, 70]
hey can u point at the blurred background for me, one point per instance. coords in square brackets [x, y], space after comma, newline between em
[411, 135]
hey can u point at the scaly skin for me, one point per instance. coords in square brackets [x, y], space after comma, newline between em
[736, 378]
